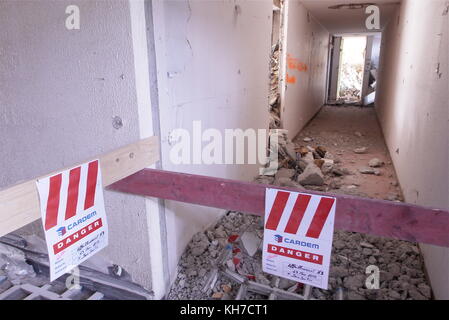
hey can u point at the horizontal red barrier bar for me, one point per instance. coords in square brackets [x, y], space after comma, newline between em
[376, 217]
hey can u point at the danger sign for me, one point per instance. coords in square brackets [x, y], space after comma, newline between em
[73, 216]
[298, 236]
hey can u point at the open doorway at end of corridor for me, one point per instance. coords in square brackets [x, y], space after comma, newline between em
[354, 60]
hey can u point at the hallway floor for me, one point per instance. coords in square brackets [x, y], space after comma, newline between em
[341, 130]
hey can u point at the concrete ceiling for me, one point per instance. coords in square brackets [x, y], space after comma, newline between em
[346, 20]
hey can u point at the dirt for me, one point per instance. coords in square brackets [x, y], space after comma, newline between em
[343, 129]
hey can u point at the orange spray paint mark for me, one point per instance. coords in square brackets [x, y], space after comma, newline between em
[295, 64]
[290, 79]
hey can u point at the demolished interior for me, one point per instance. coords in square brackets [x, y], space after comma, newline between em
[348, 109]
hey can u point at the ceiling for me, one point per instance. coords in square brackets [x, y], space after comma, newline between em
[345, 20]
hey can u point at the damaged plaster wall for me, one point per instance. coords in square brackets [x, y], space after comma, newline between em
[306, 68]
[413, 109]
[59, 91]
[213, 66]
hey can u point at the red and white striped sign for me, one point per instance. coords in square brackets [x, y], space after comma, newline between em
[298, 236]
[71, 201]
[65, 197]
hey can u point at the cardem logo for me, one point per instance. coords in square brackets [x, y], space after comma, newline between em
[278, 238]
[61, 231]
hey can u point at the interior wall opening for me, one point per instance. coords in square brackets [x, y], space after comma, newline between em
[351, 69]
[277, 42]
[354, 60]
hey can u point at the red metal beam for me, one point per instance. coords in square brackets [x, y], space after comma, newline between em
[375, 217]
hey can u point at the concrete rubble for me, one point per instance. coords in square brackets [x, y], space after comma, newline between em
[274, 97]
[13, 265]
[224, 262]
[24, 274]
[350, 84]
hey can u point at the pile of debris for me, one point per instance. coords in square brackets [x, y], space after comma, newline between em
[24, 275]
[224, 262]
[351, 82]
[302, 166]
[274, 97]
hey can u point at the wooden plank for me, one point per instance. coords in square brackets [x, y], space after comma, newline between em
[375, 217]
[19, 205]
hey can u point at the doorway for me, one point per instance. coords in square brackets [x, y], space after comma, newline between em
[350, 69]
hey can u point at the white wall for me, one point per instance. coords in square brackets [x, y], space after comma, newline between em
[308, 43]
[413, 107]
[213, 66]
[59, 91]
[375, 52]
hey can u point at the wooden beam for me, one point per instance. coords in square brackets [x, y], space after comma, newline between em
[376, 217]
[19, 205]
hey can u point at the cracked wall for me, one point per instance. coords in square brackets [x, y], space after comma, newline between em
[213, 60]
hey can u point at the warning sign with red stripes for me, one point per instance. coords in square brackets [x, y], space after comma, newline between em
[298, 236]
[73, 216]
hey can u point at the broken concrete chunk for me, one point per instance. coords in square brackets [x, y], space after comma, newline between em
[260, 278]
[339, 271]
[425, 290]
[415, 295]
[366, 245]
[287, 182]
[361, 150]
[264, 180]
[284, 284]
[375, 163]
[308, 158]
[337, 172]
[197, 251]
[302, 164]
[285, 173]
[330, 156]
[250, 242]
[191, 273]
[312, 175]
[13, 263]
[327, 166]
[368, 170]
[354, 282]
